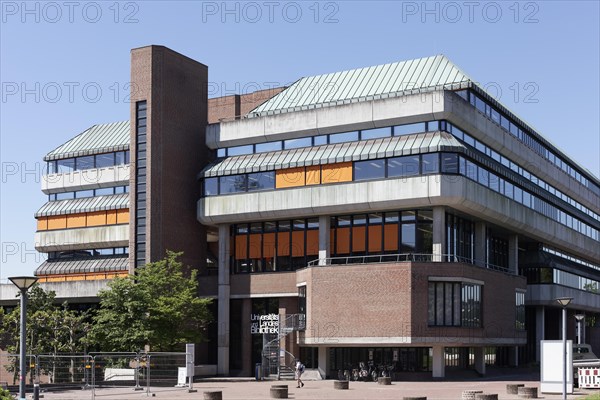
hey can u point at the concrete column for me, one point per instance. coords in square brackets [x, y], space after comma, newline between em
[513, 254]
[513, 356]
[480, 244]
[323, 361]
[439, 233]
[247, 367]
[324, 238]
[439, 363]
[479, 360]
[540, 333]
[223, 302]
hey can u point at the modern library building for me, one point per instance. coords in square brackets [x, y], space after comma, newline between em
[396, 215]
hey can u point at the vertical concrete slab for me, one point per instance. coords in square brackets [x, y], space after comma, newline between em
[324, 238]
[223, 303]
[247, 367]
[540, 334]
[439, 233]
[439, 363]
[513, 254]
[479, 354]
[480, 244]
[323, 358]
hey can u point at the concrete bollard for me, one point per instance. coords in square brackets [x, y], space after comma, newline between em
[279, 391]
[513, 388]
[216, 395]
[384, 380]
[529, 392]
[341, 385]
[470, 394]
[486, 396]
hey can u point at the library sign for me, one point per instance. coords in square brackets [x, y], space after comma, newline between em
[260, 324]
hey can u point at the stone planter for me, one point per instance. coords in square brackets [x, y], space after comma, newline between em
[486, 396]
[513, 388]
[341, 385]
[213, 395]
[384, 380]
[470, 394]
[279, 391]
[528, 392]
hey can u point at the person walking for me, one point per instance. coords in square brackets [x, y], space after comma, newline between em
[299, 372]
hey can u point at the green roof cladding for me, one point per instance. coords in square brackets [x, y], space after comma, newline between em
[103, 138]
[334, 153]
[363, 84]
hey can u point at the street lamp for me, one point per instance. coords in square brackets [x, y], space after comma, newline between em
[23, 283]
[579, 318]
[564, 302]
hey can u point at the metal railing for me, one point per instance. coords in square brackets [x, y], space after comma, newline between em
[273, 359]
[99, 374]
[403, 257]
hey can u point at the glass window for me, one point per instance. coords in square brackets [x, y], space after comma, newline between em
[261, 181]
[232, 184]
[375, 218]
[269, 146]
[299, 224]
[495, 116]
[238, 150]
[479, 104]
[319, 140]
[344, 220]
[360, 219]
[408, 237]
[105, 191]
[65, 195]
[126, 156]
[221, 153]
[483, 177]
[105, 160]
[376, 133]
[211, 186]
[80, 194]
[284, 226]
[403, 166]
[66, 165]
[391, 217]
[469, 140]
[343, 137]
[313, 223]
[86, 162]
[296, 143]
[430, 163]
[52, 168]
[450, 163]
[407, 129]
[370, 169]
[471, 170]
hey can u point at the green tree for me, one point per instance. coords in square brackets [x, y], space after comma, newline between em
[51, 329]
[159, 307]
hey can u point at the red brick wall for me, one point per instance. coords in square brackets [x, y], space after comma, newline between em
[235, 106]
[175, 89]
[386, 301]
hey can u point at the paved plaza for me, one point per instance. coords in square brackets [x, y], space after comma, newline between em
[250, 390]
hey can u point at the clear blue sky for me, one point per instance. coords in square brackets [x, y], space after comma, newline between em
[65, 66]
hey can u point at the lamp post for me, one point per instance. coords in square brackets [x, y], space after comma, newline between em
[579, 318]
[564, 302]
[23, 283]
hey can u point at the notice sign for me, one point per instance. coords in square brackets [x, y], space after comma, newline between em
[260, 324]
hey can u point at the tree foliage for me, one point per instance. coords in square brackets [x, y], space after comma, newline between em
[51, 329]
[159, 307]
